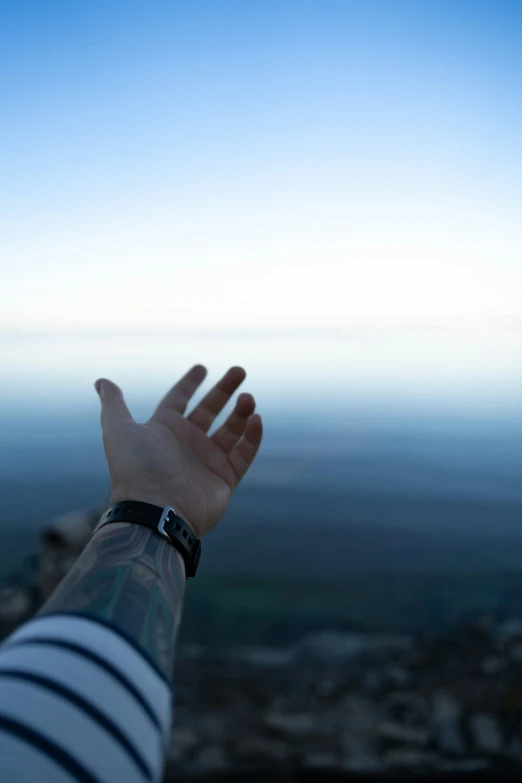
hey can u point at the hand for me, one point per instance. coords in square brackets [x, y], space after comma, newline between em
[170, 460]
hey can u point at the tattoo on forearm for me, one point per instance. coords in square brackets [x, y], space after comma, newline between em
[132, 577]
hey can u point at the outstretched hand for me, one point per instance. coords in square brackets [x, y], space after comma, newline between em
[171, 460]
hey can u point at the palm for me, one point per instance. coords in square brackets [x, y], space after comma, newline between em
[204, 456]
[172, 460]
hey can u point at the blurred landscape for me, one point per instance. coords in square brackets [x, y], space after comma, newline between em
[396, 513]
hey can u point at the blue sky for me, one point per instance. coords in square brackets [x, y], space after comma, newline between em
[267, 165]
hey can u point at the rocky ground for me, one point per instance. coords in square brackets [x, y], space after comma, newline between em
[447, 703]
[451, 703]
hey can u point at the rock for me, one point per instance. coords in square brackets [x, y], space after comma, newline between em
[358, 713]
[331, 645]
[446, 717]
[212, 758]
[15, 605]
[405, 718]
[397, 676]
[70, 531]
[405, 705]
[295, 724]
[493, 665]
[182, 741]
[337, 646]
[485, 730]
[462, 765]
[387, 643]
[510, 629]
[211, 726]
[325, 687]
[192, 652]
[372, 680]
[355, 725]
[265, 656]
[514, 749]
[60, 544]
[260, 749]
[361, 762]
[409, 757]
[395, 732]
[321, 760]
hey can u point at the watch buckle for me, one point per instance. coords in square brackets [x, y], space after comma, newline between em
[161, 523]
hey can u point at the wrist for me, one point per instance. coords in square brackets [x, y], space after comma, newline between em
[105, 531]
[161, 519]
[145, 496]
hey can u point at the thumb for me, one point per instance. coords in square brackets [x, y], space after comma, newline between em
[114, 409]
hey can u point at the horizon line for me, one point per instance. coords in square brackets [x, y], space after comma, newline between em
[263, 332]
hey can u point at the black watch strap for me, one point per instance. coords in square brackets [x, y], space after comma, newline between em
[163, 521]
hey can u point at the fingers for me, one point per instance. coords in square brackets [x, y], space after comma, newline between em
[228, 435]
[178, 397]
[242, 455]
[113, 407]
[204, 414]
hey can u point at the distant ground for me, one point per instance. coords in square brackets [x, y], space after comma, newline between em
[288, 560]
[298, 530]
[226, 612]
[368, 528]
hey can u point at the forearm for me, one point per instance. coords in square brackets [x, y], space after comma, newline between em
[132, 578]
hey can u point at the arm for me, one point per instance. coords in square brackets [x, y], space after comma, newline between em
[133, 579]
[96, 663]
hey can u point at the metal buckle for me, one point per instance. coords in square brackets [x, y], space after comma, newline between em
[161, 524]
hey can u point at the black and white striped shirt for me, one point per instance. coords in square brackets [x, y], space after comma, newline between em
[80, 702]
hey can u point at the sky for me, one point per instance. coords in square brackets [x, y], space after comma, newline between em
[325, 192]
[270, 165]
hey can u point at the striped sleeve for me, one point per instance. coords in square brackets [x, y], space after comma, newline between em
[80, 702]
